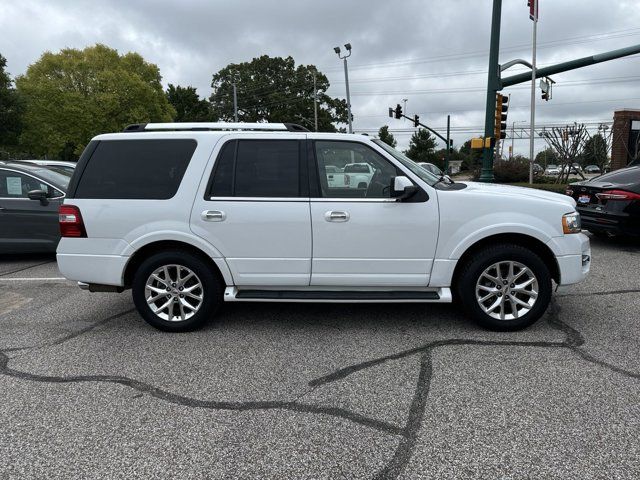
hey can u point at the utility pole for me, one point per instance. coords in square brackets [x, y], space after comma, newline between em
[404, 100]
[534, 9]
[346, 79]
[315, 101]
[235, 104]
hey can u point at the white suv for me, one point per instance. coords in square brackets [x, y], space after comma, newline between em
[191, 215]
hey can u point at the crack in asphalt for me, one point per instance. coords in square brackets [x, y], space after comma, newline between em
[591, 294]
[408, 433]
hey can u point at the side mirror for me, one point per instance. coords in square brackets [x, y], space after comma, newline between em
[40, 195]
[402, 188]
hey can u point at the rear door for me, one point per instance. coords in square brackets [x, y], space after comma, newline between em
[25, 224]
[255, 209]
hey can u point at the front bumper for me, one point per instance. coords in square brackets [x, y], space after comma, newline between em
[573, 254]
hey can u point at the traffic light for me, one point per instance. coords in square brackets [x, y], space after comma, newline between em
[451, 145]
[545, 96]
[416, 121]
[398, 111]
[390, 112]
[502, 105]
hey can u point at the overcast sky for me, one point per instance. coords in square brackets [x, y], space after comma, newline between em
[434, 53]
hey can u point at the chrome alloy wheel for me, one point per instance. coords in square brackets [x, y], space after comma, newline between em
[507, 290]
[174, 293]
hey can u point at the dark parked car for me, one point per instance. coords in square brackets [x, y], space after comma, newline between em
[29, 200]
[610, 203]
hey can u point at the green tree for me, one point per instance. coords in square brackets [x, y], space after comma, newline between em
[594, 152]
[465, 149]
[188, 105]
[10, 109]
[386, 136]
[75, 94]
[273, 89]
[422, 147]
[548, 156]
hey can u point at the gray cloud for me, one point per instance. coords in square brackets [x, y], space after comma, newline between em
[418, 46]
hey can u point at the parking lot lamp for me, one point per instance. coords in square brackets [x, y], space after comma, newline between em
[346, 79]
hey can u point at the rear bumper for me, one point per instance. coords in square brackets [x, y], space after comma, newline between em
[609, 222]
[88, 268]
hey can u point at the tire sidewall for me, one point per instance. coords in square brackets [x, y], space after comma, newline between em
[504, 253]
[211, 286]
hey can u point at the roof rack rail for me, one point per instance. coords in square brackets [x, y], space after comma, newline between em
[208, 126]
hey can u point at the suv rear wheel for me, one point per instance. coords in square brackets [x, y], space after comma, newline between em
[505, 287]
[176, 291]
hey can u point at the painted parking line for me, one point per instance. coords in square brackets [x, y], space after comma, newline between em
[32, 279]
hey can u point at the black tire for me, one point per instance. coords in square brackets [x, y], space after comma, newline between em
[483, 259]
[211, 291]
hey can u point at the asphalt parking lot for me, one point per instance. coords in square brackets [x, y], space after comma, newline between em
[88, 390]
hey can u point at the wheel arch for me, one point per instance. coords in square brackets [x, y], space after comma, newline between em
[523, 240]
[218, 265]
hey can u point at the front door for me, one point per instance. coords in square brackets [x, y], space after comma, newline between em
[255, 210]
[27, 225]
[361, 236]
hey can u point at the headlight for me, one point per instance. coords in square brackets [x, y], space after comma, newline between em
[571, 223]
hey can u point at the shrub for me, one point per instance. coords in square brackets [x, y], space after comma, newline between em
[511, 171]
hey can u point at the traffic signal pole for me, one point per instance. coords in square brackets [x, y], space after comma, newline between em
[397, 113]
[570, 65]
[493, 85]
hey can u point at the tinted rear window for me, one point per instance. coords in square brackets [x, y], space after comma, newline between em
[624, 175]
[257, 168]
[136, 169]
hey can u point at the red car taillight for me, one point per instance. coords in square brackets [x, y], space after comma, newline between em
[347, 180]
[71, 224]
[569, 192]
[618, 195]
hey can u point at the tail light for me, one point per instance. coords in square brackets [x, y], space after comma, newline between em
[618, 195]
[347, 180]
[71, 224]
[569, 192]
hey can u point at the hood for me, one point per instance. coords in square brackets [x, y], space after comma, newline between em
[511, 190]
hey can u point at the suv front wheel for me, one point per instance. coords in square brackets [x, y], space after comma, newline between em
[176, 291]
[505, 287]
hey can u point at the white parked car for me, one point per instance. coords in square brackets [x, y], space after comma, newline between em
[358, 175]
[189, 219]
[552, 170]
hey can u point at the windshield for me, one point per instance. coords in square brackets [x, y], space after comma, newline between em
[59, 177]
[424, 174]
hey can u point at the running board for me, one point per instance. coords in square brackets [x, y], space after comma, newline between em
[440, 295]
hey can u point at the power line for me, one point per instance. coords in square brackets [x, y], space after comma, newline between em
[462, 55]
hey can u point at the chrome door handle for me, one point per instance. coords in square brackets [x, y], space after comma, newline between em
[333, 216]
[213, 216]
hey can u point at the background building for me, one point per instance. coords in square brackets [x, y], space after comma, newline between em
[625, 143]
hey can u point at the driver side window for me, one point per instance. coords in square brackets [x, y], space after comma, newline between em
[353, 170]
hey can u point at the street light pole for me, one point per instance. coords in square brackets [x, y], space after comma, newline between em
[346, 79]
